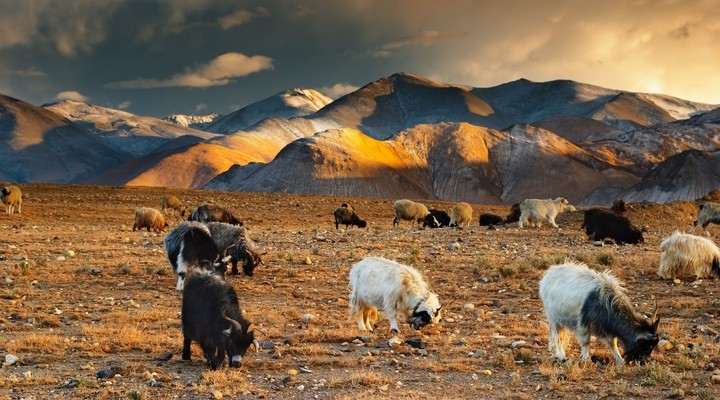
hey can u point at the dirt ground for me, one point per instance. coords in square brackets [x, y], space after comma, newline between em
[89, 307]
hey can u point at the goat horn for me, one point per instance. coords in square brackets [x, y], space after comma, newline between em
[236, 325]
[654, 317]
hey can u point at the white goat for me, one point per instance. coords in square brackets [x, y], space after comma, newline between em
[461, 214]
[536, 211]
[588, 303]
[396, 289]
[409, 210]
[688, 254]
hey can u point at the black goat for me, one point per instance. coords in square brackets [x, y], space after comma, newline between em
[436, 219]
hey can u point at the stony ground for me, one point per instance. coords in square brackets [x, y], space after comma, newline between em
[89, 308]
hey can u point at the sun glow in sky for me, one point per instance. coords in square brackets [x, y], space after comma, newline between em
[159, 57]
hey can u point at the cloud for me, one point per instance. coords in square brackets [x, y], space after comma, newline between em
[338, 90]
[218, 72]
[682, 32]
[71, 95]
[425, 38]
[201, 107]
[30, 73]
[240, 17]
[124, 105]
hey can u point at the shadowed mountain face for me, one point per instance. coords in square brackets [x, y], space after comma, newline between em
[407, 136]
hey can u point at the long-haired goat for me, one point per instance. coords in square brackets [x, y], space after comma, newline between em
[683, 253]
[709, 213]
[588, 303]
[618, 207]
[461, 214]
[536, 211]
[606, 224]
[396, 289]
[173, 204]
[190, 245]
[213, 213]
[211, 316]
[347, 216]
[409, 210]
[238, 246]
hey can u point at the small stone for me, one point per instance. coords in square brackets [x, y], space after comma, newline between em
[95, 271]
[715, 378]
[60, 258]
[307, 318]
[478, 354]
[599, 243]
[363, 339]
[217, 395]
[266, 345]
[394, 362]
[292, 372]
[164, 356]
[9, 282]
[308, 261]
[422, 352]
[677, 281]
[305, 370]
[591, 388]
[454, 246]
[10, 359]
[154, 383]
[56, 311]
[147, 244]
[518, 344]
[394, 341]
[486, 372]
[70, 253]
[289, 342]
[469, 307]
[300, 388]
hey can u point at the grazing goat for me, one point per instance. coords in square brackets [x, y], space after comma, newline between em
[409, 210]
[488, 219]
[709, 213]
[347, 216]
[513, 214]
[173, 204]
[536, 211]
[618, 207]
[238, 246]
[211, 316]
[213, 213]
[436, 219]
[461, 214]
[150, 219]
[683, 253]
[396, 289]
[587, 302]
[11, 196]
[607, 224]
[190, 245]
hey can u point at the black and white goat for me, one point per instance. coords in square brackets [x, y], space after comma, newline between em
[436, 219]
[588, 303]
[191, 245]
[238, 246]
[211, 316]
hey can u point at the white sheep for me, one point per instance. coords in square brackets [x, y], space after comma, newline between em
[683, 253]
[461, 214]
[587, 302]
[396, 289]
[173, 204]
[12, 197]
[536, 211]
[409, 210]
[709, 213]
[149, 218]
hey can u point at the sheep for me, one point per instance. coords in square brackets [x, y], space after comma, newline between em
[513, 214]
[11, 196]
[409, 210]
[213, 213]
[618, 207]
[347, 216]
[488, 219]
[211, 316]
[436, 219]
[150, 219]
[709, 212]
[683, 253]
[237, 244]
[587, 302]
[461, 214]
[190, 245]
[535, 211]
[396, 289]
[173, 204]
[607, 224]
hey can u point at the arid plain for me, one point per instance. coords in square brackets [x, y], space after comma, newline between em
[89, 307]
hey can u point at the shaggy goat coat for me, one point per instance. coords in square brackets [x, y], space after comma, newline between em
[588, 303]
[150, 219]
[409, 210]
[191, 245]
[461, 214]
[709, 213]
[11, 196]
[396, 289]
[536, 211]
[685, 254]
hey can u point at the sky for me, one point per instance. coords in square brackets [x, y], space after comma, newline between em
[158, 57]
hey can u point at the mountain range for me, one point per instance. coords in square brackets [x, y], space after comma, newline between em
[399, 136]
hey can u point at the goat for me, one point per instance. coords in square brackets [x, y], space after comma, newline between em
[150, 219]
[11, 196]
[191, 245]
[607, 224]
[461, 214]
[213, 213]
[173, 204]
[618, 207]
[347, 216]
[588, 303]
[709, 213]
[436, 219]
[536, 211]
[488, 219]
[238, 246]
[409, 210]
[513, 214]
[683, 253]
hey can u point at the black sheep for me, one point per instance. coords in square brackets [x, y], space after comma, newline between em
[617, 227]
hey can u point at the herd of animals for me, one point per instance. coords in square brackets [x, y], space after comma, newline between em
[575, 297]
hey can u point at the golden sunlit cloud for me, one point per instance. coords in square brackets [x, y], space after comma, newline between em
[218, 72]
[338, 90]
[241, 16]
[71, 95]
[425, 38]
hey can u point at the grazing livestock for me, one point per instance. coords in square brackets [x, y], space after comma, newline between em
[396, 289]
[536, 211]
[150, 219]
[607, 224]
[436, 219]
[587, 302]
[347, 217]
[213, 213]
[211, 316]
[513, 214]
[488, 219]
[461, 214]
[409, 210]
[173, 204]
[11, 196]
[709, 213]
[238, 246]
[618, 207]
[683, 253]
[190, 245]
